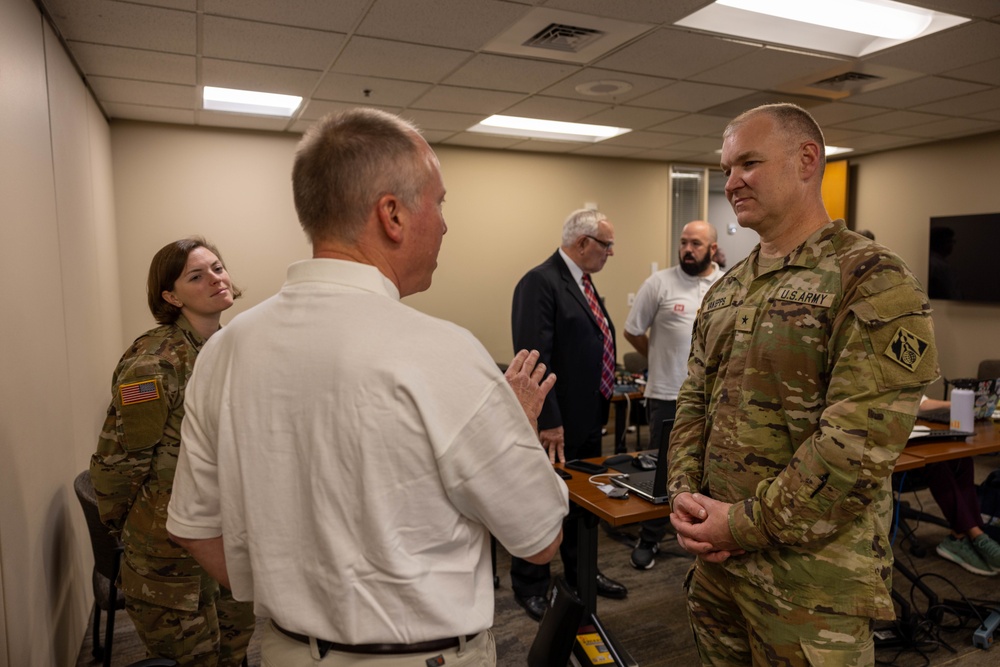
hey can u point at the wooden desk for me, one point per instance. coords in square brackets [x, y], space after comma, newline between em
[592, 506]
[985, 440]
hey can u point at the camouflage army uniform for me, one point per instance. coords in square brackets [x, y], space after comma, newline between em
[179, 611]
[804, 380]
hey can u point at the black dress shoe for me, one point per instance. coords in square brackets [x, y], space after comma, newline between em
[609, 588]
[535, 605]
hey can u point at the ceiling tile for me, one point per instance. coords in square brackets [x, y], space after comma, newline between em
[383, 58]
[243, 121]
[690, 96]
[316, 109]
[150, 114]
[674, 54]
[696, 124]
[646, 139]
[285, 46]
[889, 121]
[441, 120]
[556, 108]
[459, 24]
[839, 112]
[518, 75]
[961, 46]
[245, 76]
[766, 68]
[640, 85]
[917, 91]
[468, 100]
[477, 140]
[125, 24]
[351, 88]
[631, 117]
[144, 92]
[124, 63]
[340, 16]
[967, 104]
[987, 72]
[643, 11]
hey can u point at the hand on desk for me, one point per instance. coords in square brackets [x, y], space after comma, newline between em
[553, 442]
[524, 375]
[702, 526]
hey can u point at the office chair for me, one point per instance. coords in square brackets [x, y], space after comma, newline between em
[635, 363]
[558, 628]
[107, 562]
[989, 369]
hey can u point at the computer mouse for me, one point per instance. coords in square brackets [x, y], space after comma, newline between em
[644, 462]
[618, 459]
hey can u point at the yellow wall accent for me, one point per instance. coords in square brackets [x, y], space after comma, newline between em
[835, 189]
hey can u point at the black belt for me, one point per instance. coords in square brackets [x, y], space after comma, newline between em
[376, 649]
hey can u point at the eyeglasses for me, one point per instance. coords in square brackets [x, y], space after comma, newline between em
[606, 245]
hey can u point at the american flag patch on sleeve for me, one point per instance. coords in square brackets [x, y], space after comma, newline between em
[139, 392]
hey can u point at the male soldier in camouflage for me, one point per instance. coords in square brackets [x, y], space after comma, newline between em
[806, 370]
[178, 610]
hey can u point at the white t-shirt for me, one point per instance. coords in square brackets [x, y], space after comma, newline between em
[355, 454]
[666, 305]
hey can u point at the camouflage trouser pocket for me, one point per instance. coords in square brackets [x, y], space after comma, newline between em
[180, 592]
[862, 655]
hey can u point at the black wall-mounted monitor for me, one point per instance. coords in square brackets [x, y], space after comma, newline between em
[964, 258]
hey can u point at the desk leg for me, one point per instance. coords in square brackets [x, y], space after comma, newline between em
[586, 566]
[621, 412]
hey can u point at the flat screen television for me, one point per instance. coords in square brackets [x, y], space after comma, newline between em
[962, 252]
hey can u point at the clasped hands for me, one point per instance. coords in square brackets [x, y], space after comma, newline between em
[702, 526]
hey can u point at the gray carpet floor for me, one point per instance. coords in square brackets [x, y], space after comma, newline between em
[652, 624]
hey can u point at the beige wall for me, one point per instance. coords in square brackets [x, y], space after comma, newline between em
[896, 195]
[60, 333]
[73, 275]
[504, 214]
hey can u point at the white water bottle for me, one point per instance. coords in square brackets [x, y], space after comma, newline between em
[962, 412]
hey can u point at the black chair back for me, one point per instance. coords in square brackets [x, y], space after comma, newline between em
[107, 551]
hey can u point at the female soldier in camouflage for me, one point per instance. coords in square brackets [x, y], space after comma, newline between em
[178, 610]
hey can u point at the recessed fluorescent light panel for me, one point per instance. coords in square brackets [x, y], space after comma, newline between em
[845, 27]
[532, 128]
[249, 101]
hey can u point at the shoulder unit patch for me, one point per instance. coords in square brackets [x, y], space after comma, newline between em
[906, 349]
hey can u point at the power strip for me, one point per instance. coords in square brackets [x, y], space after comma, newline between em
[983, 636]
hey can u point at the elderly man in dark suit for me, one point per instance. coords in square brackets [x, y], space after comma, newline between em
[558, 312]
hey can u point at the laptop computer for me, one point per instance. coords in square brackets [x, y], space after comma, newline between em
[650, 485]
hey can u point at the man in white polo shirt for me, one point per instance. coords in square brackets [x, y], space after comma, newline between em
[665, 308]
[345, 457]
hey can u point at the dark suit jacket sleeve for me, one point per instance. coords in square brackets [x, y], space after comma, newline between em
[533, 328]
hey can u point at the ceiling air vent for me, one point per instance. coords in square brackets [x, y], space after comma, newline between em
[847, 81]
[561, 37]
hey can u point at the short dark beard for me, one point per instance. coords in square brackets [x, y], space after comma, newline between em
[697, 268]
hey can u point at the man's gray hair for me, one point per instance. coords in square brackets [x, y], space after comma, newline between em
[581, 223]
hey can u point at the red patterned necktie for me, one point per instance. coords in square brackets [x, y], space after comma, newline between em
[608, 362]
